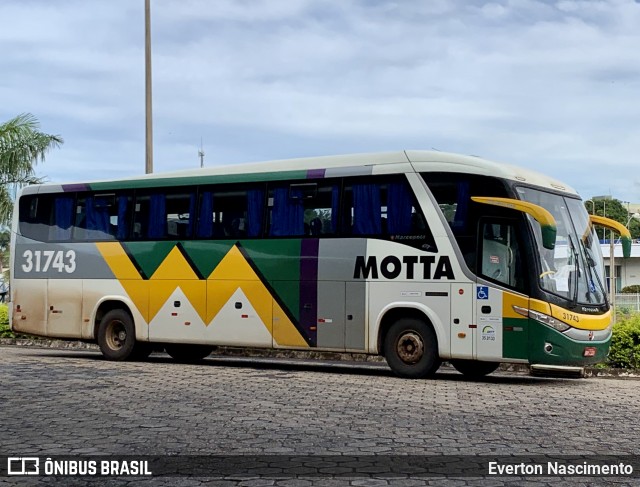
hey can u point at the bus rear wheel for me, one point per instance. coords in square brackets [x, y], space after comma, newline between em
[188, 353]
[117, 335]
[411, 349]
[474, 369]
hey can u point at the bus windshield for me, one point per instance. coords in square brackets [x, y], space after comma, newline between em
[574, 269]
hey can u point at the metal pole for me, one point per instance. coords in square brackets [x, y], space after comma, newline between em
[612, 278]
[147, 79]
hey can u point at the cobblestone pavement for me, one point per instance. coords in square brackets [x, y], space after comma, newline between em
[55, 402]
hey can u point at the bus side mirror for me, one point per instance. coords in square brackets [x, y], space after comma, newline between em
[625, 235]
[541, 215]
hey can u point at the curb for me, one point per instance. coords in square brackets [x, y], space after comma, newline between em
[588, 372]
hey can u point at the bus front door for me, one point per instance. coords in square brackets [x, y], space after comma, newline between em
[462, 329]
[502, 333]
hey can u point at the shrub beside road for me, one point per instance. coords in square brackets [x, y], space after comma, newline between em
[625, 344]
[5, 332]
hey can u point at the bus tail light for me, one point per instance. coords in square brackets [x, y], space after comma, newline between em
[589, 352]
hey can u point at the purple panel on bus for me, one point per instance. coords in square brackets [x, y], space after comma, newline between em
[75, 187]
[315, 173]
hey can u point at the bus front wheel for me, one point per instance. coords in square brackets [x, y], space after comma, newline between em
[411, 349]
[474, 369]
[117, 335]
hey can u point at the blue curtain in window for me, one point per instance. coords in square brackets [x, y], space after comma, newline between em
[123, 224]
[63, 214]
[255, 207]
[157, 216]
[205, 221]
[399, 206]
[97, 217]
[335, 209]
[367, 218]
[462, 207]
[288, 213]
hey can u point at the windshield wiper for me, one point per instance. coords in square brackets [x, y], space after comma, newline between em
[576, 272]
[591, 263]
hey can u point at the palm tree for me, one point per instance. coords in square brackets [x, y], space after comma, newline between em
[22, 146]
[5, 238]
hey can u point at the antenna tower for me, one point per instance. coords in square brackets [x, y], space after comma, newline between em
[201, 154]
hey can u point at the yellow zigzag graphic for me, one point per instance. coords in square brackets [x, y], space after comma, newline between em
[174, 272]
[231, 273]
[207, 297]
[126, 273]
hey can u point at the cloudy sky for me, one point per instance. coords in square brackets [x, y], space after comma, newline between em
[549, 85]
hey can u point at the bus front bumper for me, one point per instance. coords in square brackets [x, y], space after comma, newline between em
[550, 347]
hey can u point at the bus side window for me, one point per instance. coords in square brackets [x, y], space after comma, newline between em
[93, 217]
[321, 210]
[47, 217]
[150, 217]
[162, 215]
[36, 216]
[230, 212]
[386, 208]
[304, 209]
[180, 211]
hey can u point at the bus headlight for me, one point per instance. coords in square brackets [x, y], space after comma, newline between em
[550, 321]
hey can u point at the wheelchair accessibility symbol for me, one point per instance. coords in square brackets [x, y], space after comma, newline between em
[482, 292]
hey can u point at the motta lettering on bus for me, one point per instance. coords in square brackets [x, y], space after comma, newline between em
[415, 267]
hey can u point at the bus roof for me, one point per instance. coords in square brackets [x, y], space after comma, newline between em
[350, 164]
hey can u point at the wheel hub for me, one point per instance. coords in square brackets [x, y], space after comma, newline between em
[410, 348]
[116, 335]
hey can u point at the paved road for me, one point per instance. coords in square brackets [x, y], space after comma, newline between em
[55, 402]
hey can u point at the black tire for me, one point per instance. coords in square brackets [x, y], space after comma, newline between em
[188, 353]
[117, 335]
[474, 369]
[411, 349]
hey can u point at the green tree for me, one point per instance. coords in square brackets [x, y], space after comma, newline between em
[634, 228]
[615, 210]
[22, 146]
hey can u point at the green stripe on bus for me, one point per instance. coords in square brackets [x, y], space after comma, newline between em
[515, 342]
[196, 180]
[149, 255]
[206, 255]
[279, 263]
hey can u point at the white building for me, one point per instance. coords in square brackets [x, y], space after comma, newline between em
[627, 270]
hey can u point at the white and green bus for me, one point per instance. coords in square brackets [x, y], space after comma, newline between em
[418, 256]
